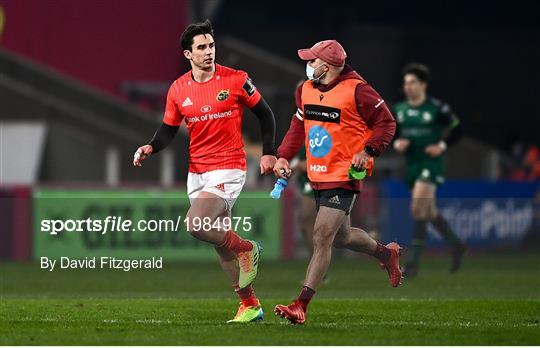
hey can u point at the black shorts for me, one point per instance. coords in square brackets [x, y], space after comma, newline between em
[338, 198]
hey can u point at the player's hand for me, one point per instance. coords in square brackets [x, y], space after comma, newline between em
[434, 150]
[282, 169]
[400, 145]
[267, 163]
[141, 154]
[360, 160]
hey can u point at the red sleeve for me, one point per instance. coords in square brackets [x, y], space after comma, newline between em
[172, 116]
[378, 117]
[249, 95]
[295, 137]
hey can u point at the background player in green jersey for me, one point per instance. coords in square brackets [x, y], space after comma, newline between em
[425, 128]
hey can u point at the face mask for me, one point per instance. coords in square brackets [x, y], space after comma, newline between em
[310, 73]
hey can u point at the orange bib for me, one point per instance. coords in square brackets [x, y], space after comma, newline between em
[334, 129]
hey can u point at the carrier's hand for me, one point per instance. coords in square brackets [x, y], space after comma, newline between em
[400, 145]
[141, 154]
[282, 169]
[360, 160]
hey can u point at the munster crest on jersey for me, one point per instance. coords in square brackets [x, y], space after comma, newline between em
[222, 95]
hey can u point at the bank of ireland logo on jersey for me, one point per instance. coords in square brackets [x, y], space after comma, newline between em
[320, 141]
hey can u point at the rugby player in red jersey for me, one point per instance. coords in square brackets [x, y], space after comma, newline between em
[343, 122]
[210, 99]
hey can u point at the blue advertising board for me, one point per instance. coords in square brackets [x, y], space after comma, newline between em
[484, 214]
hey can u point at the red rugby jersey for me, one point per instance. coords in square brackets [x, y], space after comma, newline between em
[213, 114]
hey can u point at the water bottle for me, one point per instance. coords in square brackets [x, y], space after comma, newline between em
[356, 174]
[278, 187]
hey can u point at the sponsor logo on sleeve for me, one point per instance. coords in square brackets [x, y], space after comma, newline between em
[249, 87]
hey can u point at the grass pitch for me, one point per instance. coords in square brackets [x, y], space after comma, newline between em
[494, 300]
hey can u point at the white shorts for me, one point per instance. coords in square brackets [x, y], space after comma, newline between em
[225, 183]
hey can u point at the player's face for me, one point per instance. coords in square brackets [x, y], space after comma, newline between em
[413, 87]
[203, 52]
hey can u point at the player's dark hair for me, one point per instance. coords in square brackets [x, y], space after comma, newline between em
[421, 71]
[201, 28]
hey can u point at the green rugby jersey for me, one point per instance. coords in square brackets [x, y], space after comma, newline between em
[423, 125]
